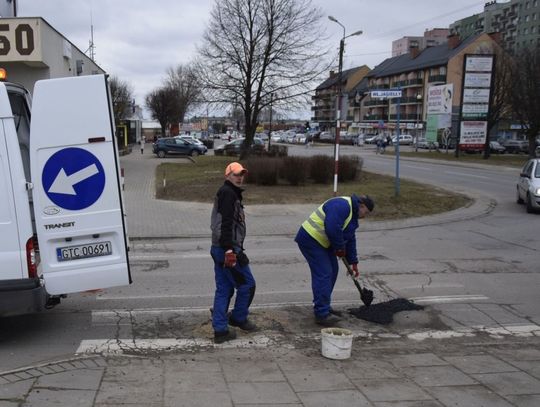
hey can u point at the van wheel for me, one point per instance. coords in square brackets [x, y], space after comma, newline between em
[161, 154]
[194, 153]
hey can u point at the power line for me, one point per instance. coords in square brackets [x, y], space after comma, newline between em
[414, 25]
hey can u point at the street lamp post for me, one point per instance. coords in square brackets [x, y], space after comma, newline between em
[338, 99]
[419, 100]
[270, 126]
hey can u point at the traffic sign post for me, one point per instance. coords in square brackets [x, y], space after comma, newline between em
[389, 94]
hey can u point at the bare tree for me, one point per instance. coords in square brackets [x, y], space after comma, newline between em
[500, 106]
[254, 48]
[525, 94]
[122, 98]
[184, 81]
[162, 106]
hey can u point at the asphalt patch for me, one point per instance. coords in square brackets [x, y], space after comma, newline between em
[383, 312]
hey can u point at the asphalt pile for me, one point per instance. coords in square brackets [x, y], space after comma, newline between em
[383, 312]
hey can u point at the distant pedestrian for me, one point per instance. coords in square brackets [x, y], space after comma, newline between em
[327, 234]
[231, 265]
[142, 145]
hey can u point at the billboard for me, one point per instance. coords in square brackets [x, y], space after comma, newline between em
[440, 99]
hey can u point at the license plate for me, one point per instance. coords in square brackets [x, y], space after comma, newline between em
[84, 251]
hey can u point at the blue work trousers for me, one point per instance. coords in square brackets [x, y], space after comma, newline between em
[324, 271]
[227, 280]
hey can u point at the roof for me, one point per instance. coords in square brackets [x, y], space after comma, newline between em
[334, 79]
[429, 57]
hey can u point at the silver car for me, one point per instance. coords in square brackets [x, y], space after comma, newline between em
[528, 186]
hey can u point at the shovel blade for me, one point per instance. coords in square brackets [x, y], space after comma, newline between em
[366, 296]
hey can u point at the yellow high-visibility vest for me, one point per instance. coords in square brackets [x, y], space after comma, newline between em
[314, 225]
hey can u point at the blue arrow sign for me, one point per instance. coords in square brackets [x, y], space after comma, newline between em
[73, 178]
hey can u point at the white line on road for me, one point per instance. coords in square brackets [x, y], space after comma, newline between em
[466, 174]
[263, 341]
[449, 298]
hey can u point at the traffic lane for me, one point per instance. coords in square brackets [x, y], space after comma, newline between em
[500, 182]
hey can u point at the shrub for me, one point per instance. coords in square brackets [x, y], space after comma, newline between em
[349, 167]
[321, 169]
[295, 169]
[263, 170]
[278, 151]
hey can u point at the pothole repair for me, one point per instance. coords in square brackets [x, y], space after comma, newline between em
[383, 312]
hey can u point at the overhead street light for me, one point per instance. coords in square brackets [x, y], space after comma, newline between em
[338, 98]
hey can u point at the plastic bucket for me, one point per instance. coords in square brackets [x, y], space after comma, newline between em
[336, 343]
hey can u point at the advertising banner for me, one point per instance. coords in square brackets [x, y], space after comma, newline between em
[473, 134]
[440, 99]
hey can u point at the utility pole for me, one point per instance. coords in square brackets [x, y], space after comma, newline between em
[338, 99]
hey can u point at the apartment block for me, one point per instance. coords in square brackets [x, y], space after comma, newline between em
[518, 21]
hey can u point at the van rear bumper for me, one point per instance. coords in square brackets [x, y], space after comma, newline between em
[21, 296]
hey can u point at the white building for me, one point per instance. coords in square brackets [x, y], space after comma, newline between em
[34, 50]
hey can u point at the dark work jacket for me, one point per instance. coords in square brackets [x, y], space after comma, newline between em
[228, 222]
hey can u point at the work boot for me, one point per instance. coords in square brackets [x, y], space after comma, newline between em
[328, 320]
[228, 335]
[336, 312]
[247, 325]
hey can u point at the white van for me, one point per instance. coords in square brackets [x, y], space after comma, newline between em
[62, 222]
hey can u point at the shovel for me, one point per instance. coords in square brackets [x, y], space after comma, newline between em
[365, 295]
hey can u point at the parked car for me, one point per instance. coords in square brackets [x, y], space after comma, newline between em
[496, 147]
[528, 186]
[423, 143]
[326, 136]
[404, 139]
[192, 139]
[516, 146]
[177, 146]
[370, 138]
[233, 147]
[276, 137]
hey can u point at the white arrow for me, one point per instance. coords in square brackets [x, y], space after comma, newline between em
[63, 184]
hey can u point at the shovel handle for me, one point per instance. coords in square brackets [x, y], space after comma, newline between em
[348, 267]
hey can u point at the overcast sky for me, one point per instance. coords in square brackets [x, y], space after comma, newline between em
[137, 40]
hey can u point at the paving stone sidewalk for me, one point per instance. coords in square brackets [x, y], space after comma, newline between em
[463, 374]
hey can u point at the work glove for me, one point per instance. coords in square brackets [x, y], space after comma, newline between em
[340, 252]
[354, 268]
[230, 259]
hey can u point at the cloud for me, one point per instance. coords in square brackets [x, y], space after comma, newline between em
[138, 40]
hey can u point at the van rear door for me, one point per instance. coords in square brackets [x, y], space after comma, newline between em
[77, 191]
[15, 217]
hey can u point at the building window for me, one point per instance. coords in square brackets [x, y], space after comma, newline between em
[527, 18]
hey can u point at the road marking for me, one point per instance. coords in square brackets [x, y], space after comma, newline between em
[495, 332]
[170, 344]
[449, 298]
[118, 346]
[466, 174]
[307, 291]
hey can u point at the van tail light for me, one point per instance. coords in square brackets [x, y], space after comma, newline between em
[31, 257]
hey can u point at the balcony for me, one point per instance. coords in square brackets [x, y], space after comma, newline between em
[437, 78]
[379, 86]
[376, 102]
